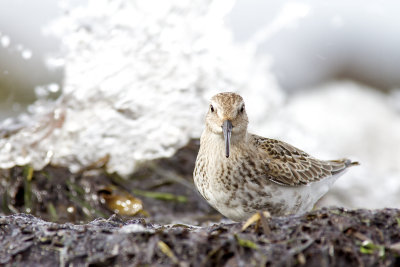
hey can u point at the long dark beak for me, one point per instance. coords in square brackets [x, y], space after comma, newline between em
[227, 129]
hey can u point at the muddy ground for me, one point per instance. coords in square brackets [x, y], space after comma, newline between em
[161, 220]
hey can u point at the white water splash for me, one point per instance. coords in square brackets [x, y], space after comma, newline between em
[287, 17]
[26, 54]
[5, 41]
[137, 81]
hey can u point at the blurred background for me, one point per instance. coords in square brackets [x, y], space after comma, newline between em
[323, 76]
[333, 40]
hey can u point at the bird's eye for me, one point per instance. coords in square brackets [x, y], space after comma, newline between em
[242, 109]
[211, 108]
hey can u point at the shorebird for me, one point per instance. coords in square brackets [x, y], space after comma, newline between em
[240, 173]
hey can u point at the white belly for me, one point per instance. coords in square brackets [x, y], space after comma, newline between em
[279, 200]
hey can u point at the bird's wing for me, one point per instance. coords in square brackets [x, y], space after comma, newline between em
[290, 166]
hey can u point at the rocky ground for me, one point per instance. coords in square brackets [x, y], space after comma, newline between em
[327, 237]
[53, 217]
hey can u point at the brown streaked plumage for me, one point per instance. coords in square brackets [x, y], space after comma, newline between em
[240, 173]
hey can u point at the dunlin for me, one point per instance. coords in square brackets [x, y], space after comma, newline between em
[240, 173]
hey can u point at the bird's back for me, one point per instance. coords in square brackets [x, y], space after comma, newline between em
[290, 166]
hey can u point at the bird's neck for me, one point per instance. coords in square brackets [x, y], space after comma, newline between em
[215, 143]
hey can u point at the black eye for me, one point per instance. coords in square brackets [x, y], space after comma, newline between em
[211, 108]
[242, 109]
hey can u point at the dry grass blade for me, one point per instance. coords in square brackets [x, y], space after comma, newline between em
[168, 252]
[257, 218]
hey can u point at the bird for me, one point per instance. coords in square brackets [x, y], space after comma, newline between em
[240, 173]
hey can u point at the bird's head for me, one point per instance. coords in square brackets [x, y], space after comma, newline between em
[227, 117]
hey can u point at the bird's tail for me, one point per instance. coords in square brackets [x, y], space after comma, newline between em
[350, 163]
[340, 165]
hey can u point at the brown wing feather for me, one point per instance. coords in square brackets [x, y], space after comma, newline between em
[291, 166]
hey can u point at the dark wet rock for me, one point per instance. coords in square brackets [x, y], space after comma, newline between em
[326, 237]
[164, 187]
